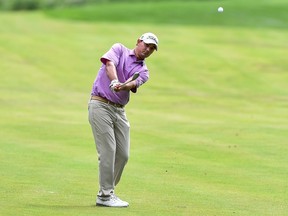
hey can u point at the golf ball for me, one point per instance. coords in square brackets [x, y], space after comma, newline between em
[220, 9]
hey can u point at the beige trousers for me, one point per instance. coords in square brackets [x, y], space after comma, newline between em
[111, 131]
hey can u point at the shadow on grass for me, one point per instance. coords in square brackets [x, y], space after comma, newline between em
[66, 207]
[59, 206]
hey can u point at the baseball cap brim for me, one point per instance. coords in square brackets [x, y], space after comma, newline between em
[150, 41]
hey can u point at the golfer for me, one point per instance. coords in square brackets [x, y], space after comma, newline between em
[117, 77]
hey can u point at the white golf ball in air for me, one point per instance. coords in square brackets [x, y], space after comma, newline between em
[220, 9]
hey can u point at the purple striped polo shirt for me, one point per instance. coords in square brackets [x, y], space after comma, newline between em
[126, 65]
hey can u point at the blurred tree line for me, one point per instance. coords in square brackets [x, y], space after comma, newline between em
[46, 4]
[43, 4]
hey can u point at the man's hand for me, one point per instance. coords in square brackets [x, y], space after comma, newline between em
[114, 85]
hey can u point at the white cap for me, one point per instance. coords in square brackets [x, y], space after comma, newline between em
[150, 38]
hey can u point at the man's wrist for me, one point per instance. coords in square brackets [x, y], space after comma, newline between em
[113, 84]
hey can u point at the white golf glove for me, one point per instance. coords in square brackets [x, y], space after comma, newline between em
[113, 84]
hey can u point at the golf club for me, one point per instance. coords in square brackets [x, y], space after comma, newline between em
[134, 77]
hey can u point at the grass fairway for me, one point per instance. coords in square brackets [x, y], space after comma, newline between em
[209, 129]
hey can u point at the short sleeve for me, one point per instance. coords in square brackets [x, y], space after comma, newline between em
[113, 54]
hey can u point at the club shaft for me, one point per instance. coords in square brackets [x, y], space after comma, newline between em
[135, 76]
[127, 82]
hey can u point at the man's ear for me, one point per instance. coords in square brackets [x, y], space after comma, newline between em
[138, 41]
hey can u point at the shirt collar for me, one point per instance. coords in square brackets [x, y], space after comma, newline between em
[132, 53]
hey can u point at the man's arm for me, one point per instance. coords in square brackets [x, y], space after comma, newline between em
[128, 86]
[111, 70]
[112, 74]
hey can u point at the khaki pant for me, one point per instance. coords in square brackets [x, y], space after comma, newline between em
[111, 131]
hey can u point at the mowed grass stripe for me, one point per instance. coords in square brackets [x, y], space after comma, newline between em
[239, 13]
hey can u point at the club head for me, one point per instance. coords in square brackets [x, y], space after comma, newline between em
[135, 76]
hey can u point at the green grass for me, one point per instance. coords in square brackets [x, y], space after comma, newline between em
[209, 129]
[238, 13]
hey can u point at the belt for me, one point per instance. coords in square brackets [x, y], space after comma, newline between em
[94, 97]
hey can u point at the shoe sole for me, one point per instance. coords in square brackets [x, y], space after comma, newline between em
[102, 205]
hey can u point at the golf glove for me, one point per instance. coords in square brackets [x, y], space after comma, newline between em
[113, 84]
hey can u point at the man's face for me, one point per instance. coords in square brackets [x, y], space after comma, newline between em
[144, 50]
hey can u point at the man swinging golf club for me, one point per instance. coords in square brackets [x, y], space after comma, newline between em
[123, 70]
